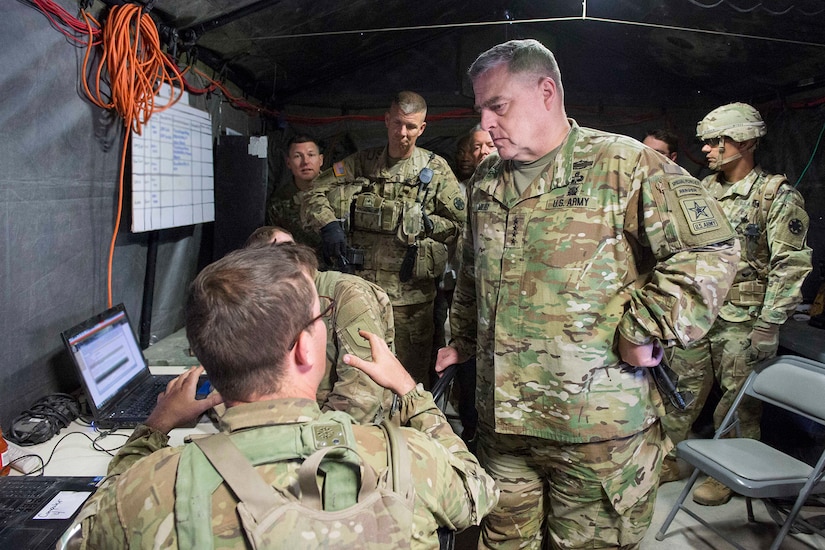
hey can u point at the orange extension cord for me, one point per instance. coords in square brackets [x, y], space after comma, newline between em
[136, 68]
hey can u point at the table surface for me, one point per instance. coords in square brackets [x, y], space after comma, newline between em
[75, 455]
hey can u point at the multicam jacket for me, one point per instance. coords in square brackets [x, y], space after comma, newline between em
[609, 238]
[284, 210]
[775, 258]
[359, 305]
[135, 506]
[442, 200]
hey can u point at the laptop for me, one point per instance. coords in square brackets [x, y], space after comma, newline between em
[36, 510]
[120, 390]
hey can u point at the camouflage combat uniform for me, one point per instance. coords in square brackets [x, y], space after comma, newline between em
[359, 305]
[284, 210]
[384, 250]
[136, 507]
[607, 238]
[775, 261]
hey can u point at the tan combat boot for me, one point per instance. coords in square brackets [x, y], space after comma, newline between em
[712, 493]
[670, 471]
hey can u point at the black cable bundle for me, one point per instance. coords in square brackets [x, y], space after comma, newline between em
[44, 419]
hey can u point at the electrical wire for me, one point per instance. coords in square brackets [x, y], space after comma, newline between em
[132, 69]
[65, 23]
[813, 154]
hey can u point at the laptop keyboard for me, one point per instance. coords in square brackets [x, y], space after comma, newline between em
[143, 401]
[21, 494]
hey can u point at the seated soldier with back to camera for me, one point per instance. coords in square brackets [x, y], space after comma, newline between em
[253, 318]
[360, 305]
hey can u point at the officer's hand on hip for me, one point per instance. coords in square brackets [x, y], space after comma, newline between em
[640, 355]
[334, 241]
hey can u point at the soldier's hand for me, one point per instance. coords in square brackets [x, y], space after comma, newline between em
[385, 368]
[447, 356]
[177, 406]
[764, 340]
[334, 241]
[635, 355]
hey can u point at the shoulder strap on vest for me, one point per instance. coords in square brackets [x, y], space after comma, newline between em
[239, 474]
[398, 459]
[769, 192]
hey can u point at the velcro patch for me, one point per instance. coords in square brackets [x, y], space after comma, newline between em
[339, 170]
[700, 215]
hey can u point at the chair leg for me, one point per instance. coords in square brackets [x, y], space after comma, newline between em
[660, 535]
[791, 517]
[749, 506]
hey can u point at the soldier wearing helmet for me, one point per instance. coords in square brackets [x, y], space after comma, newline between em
[769, 217]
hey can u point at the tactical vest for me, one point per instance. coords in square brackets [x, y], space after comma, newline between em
[752, 293]
[340, 516]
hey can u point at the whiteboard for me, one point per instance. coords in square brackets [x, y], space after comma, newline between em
[173, 180]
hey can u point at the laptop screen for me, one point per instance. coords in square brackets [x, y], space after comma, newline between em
[106, 353]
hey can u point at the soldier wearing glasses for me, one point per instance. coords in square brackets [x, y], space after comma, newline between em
[358, 305]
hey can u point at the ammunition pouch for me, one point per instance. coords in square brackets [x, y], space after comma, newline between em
[372, 212]
[430, 259]
[412, 222]
[747, 293]
[340, 199]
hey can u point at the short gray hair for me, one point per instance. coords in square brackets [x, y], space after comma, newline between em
[520, 56]
[410, 102]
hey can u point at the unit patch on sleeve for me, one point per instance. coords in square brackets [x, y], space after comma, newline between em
[795, 226]
[700, 216]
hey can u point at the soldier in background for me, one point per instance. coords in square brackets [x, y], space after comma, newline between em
[465, 164]
[481, 145]
[394, 226]
[769, 217]
[304, 160]
[584, 255]
[361, 305]
[253, 319]
[663, 141]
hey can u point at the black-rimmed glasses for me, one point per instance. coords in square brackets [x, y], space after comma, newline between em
[327, 304]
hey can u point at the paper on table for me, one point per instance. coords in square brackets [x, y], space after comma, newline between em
[63, 505]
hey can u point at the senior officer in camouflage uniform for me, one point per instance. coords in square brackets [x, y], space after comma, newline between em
[402, 208]
[253, 319]
[769, 217]
[585, 253]
[304, 160]
[360, 305]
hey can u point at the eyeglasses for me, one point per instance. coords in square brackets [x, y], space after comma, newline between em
[327, 305]
[714, 141]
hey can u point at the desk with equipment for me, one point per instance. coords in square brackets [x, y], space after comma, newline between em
[35, 510]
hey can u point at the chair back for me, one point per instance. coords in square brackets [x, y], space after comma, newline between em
[793, 383]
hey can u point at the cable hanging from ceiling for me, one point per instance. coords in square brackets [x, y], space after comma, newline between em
[737, 6]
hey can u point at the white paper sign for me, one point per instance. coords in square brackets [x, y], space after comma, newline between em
[63, 505]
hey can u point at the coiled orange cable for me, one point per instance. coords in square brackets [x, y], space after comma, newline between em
[133, 67]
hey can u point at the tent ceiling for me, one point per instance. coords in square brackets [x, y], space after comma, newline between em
[329, 53]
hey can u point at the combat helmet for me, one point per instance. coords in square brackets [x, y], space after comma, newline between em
[738, 121]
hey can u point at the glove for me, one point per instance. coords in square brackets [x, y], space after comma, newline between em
[334, 242]
[764, 340]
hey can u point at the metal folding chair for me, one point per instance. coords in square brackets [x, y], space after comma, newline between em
[752, 468]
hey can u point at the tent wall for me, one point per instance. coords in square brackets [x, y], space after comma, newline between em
[60, 158]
